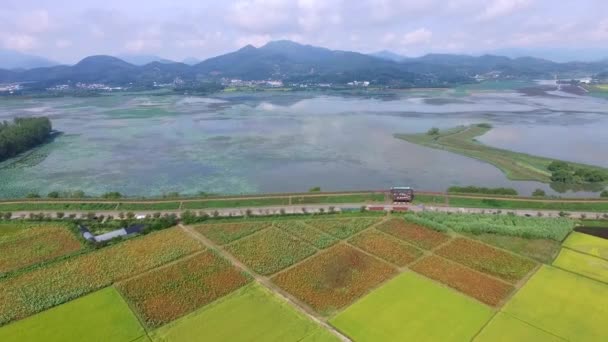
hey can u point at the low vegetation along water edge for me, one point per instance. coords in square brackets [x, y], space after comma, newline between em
[515, 165]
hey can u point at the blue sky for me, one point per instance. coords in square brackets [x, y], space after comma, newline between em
[67, 30]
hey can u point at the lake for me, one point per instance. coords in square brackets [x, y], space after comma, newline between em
[231, 143]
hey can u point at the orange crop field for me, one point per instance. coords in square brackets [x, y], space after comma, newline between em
[335, 278]
[223, 233]
[490, 260]
[477, 285]
[35, 245]
[386, 247]
[415, 234]
[170, 292]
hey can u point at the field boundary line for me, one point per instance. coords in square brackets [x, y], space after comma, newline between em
[580, 275]
[532, 325]
[299, 238]
[580, 252]
[163, 266]
[383, 219]
[259, 231]
[474, 270]
[509, 298]
[266, 282]
[135, 313]
[317, 250]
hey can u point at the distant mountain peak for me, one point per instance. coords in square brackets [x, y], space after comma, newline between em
[102, 59]
[10, 59]
[247, 47]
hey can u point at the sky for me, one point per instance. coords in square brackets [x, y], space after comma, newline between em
[68, 30]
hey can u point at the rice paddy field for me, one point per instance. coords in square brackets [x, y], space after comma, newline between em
[26, 245]
[100, 316]
[360, 278]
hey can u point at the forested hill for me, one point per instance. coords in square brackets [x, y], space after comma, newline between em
[23, 134]
[296, 63]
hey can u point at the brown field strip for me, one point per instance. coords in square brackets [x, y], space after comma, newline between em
[386, 247]
[335, 278]
[486, 259]
[477, 285]
[415, 234]
[163, 295]
[37, 245]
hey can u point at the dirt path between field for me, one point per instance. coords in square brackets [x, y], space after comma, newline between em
[264, 281]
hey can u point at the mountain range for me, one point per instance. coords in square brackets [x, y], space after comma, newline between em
[10, 59]
[293, 62]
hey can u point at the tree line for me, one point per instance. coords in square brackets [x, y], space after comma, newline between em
[23, 134]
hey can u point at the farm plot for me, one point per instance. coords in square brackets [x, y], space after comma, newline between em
[464, 279]
[583, 264]
[342, 228]
[270, 250]
[413, 308]
[57, 283]
[505, 328]
[541, 250]
[12, 230]
[307, 233]
[528, 227]
[248, 314]
[483, 258]
[223, 233]
[564, 304]
[335, 278]
[101, 316]
[415, 234]
[168, 293]
[587, 244]
[386, 247]
[36, 244]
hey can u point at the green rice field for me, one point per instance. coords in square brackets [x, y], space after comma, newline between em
[413, 308]
[506, 328]
[587, 244]
[252, 313]
[583, 264]
[562, 303]
[101, 316]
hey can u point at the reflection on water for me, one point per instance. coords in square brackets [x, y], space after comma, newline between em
[265, 142]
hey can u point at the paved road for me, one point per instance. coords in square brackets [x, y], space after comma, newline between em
[298, 209]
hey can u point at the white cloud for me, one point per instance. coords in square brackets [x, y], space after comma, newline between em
[34, 22]
[499, 8]
[313, 15]
[19, 42]
[260, 16]
[383, 11]
[97, 32]
[417, 37]
[63, 43]
[139, 45]
[600, 33]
